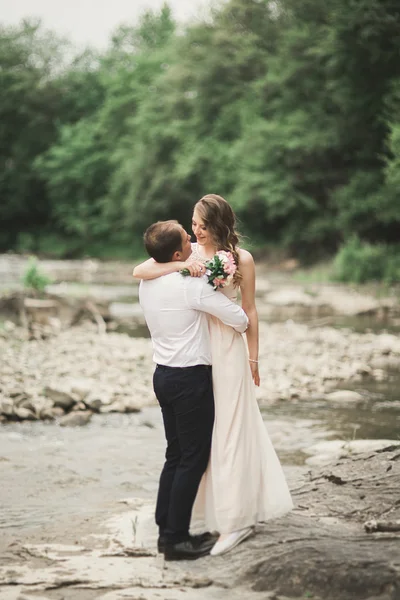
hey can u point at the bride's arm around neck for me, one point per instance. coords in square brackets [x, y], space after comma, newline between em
[150, 269]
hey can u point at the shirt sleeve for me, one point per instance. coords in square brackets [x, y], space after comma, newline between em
[201, 296]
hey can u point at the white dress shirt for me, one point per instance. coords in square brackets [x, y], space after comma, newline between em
[175, 310]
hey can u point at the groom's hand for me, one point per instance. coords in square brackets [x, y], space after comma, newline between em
[195, 268]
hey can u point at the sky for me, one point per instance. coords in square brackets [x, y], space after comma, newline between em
[91, 21]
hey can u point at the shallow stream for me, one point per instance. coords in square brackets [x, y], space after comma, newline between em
[48, 471]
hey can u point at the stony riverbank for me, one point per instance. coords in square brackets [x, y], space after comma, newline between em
[91, 490]
[341, 542]
[80, 371]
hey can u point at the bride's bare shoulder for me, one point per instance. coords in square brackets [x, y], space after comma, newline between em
[246, 259]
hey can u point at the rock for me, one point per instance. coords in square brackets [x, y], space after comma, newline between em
[330, 451]
[15, 392]
[116, 406]
[125, 310]
[289, 297]
[6, 407]
[57, 411]
[362, 369]
[39, 310]
[96, 402]
[60, 398]
[122, 404]
[82, 388]
[129, 404]
[9, 326]
[323, 301]
[25, 414]
[388, 344]
[49, 315]
[321, 550]
[379, 374]
[47, 414]
[21, 398]
[76, 419]
[345, 396]
[385, 362]
[263, 286]
[348, 302]
[79, 406]
[27, 404]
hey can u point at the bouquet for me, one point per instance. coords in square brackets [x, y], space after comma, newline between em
[220, 269]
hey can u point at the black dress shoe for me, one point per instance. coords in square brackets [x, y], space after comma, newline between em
[196, 539]
[187, 550]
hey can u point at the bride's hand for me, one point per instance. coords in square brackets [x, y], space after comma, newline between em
[254, 373]
[195, 268]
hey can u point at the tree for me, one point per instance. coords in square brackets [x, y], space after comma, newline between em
[288, 108]
[28, 109]
[79, 167]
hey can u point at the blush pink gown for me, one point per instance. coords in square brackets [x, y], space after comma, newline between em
[244, 482]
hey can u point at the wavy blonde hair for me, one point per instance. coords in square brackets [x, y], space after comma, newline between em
[220, 220]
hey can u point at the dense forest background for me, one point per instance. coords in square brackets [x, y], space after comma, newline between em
[288, 108]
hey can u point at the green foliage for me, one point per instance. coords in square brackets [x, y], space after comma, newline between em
[318, 273]
[289, 109]
[25, 242]
[34, 278]
[76, 172]
[359, 262]
[29, 58]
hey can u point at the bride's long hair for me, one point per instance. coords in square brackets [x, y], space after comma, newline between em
[220, 220]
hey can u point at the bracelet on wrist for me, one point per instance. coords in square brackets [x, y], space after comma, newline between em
[252, 360]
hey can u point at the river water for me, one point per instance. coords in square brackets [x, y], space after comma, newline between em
[50, 472]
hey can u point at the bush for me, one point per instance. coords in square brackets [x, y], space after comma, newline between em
[359, 262]
[33, 278]
[25, 243]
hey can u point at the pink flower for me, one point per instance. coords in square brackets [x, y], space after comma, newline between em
[228, 262]
[218, 282]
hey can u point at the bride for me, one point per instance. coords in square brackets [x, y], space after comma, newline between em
[244, 482]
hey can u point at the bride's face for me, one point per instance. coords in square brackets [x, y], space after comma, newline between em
[200, 231]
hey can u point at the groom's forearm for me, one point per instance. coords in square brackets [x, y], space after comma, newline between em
[225, 310]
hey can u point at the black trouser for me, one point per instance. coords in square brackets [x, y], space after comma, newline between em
[187, 403]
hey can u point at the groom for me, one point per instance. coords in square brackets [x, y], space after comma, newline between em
[175, 309]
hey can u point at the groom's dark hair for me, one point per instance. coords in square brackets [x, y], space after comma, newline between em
[163, 239]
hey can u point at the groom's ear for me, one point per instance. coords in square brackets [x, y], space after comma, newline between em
[176, 256]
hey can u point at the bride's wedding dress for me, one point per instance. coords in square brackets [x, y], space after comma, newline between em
[244, 482]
